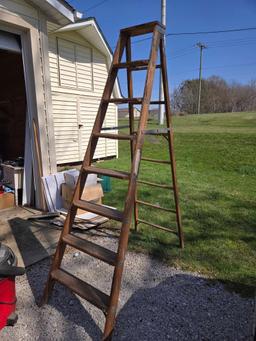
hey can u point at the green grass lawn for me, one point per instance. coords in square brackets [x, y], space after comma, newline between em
[216, 169]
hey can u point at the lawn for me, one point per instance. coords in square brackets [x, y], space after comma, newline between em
[216, 169]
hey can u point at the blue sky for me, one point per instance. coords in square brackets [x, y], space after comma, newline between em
[229, 55]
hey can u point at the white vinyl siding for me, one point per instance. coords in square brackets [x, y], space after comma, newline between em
[20, 8]
[78, 75]
[67, 64]
[74, 65]
[84, 67]
[66, 128]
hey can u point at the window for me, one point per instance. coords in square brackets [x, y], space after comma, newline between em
[75, 65]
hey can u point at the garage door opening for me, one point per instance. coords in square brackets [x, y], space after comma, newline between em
[12, 118]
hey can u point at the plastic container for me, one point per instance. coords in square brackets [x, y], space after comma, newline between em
[106, 183]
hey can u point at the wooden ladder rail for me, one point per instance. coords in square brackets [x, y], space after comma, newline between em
[170, 140]
[131, 121]
[130, 199]
[172, 162]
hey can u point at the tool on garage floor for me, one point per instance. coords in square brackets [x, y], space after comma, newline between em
[108, 304]
[8, 272]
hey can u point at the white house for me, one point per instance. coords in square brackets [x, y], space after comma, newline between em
[53, 66]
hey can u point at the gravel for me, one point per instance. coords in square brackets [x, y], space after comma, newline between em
[157, 303]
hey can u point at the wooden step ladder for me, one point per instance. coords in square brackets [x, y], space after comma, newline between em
[108, 303]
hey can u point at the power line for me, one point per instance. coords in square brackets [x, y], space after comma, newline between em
[213, 45]
[217, 67]
[236, 40]
[201, 32]
[96, 5]
[212, 32]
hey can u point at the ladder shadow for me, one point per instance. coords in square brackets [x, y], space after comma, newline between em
[64, 301]
[184, 307]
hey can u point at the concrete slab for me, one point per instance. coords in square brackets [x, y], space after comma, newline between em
[31, 241]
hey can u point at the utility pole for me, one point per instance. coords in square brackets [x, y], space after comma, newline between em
[201, 46]
[161, 92]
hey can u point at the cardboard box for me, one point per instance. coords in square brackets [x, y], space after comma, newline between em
[6, 200]
[91, 193]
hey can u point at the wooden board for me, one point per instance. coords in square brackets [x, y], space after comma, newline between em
[31, 241]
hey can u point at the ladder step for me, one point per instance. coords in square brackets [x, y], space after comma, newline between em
[155, 160]
[81, 288]
[132, 65]
[134, 100]
[143, 68]
[154, 184]
[155, 206]
[160, 131]
[115, 127]
[99, 209]
[156, 226]
[142, 29]
[124, 100]
[115, 136]
[108, 172]
[157, 102]
[91, 249]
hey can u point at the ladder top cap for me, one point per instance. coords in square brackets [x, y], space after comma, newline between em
[143, 28]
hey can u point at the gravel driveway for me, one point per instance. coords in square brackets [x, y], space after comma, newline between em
[157, 303]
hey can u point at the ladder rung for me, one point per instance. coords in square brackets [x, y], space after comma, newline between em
[109, 172]
[157, 102]
[115, 128]
[125, 100]
[115, 136]
[155, 206]
[134, 100]
[154, 184]
[142, 29]
[81, 288]
[99, 209]
[155, 160]
[91, 249]
[143, 68]
[132, 65]
[161, 131]
[157, 226]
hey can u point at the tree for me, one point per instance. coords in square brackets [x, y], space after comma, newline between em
[216, 96]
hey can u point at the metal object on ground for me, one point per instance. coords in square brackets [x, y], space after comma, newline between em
[108, 303]
[8, 271]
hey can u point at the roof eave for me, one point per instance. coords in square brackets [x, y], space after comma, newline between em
[59, 10]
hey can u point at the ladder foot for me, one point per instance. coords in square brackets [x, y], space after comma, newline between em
[107, 338]
[108, 332]
[47, 292]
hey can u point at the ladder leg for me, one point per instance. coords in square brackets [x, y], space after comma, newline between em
[170, 141]
[131, 120]
[130, 198]
[50, 282]
[59, 253]
[122, 248]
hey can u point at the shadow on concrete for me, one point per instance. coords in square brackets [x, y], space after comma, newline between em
[184, 307]
[64, 301]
